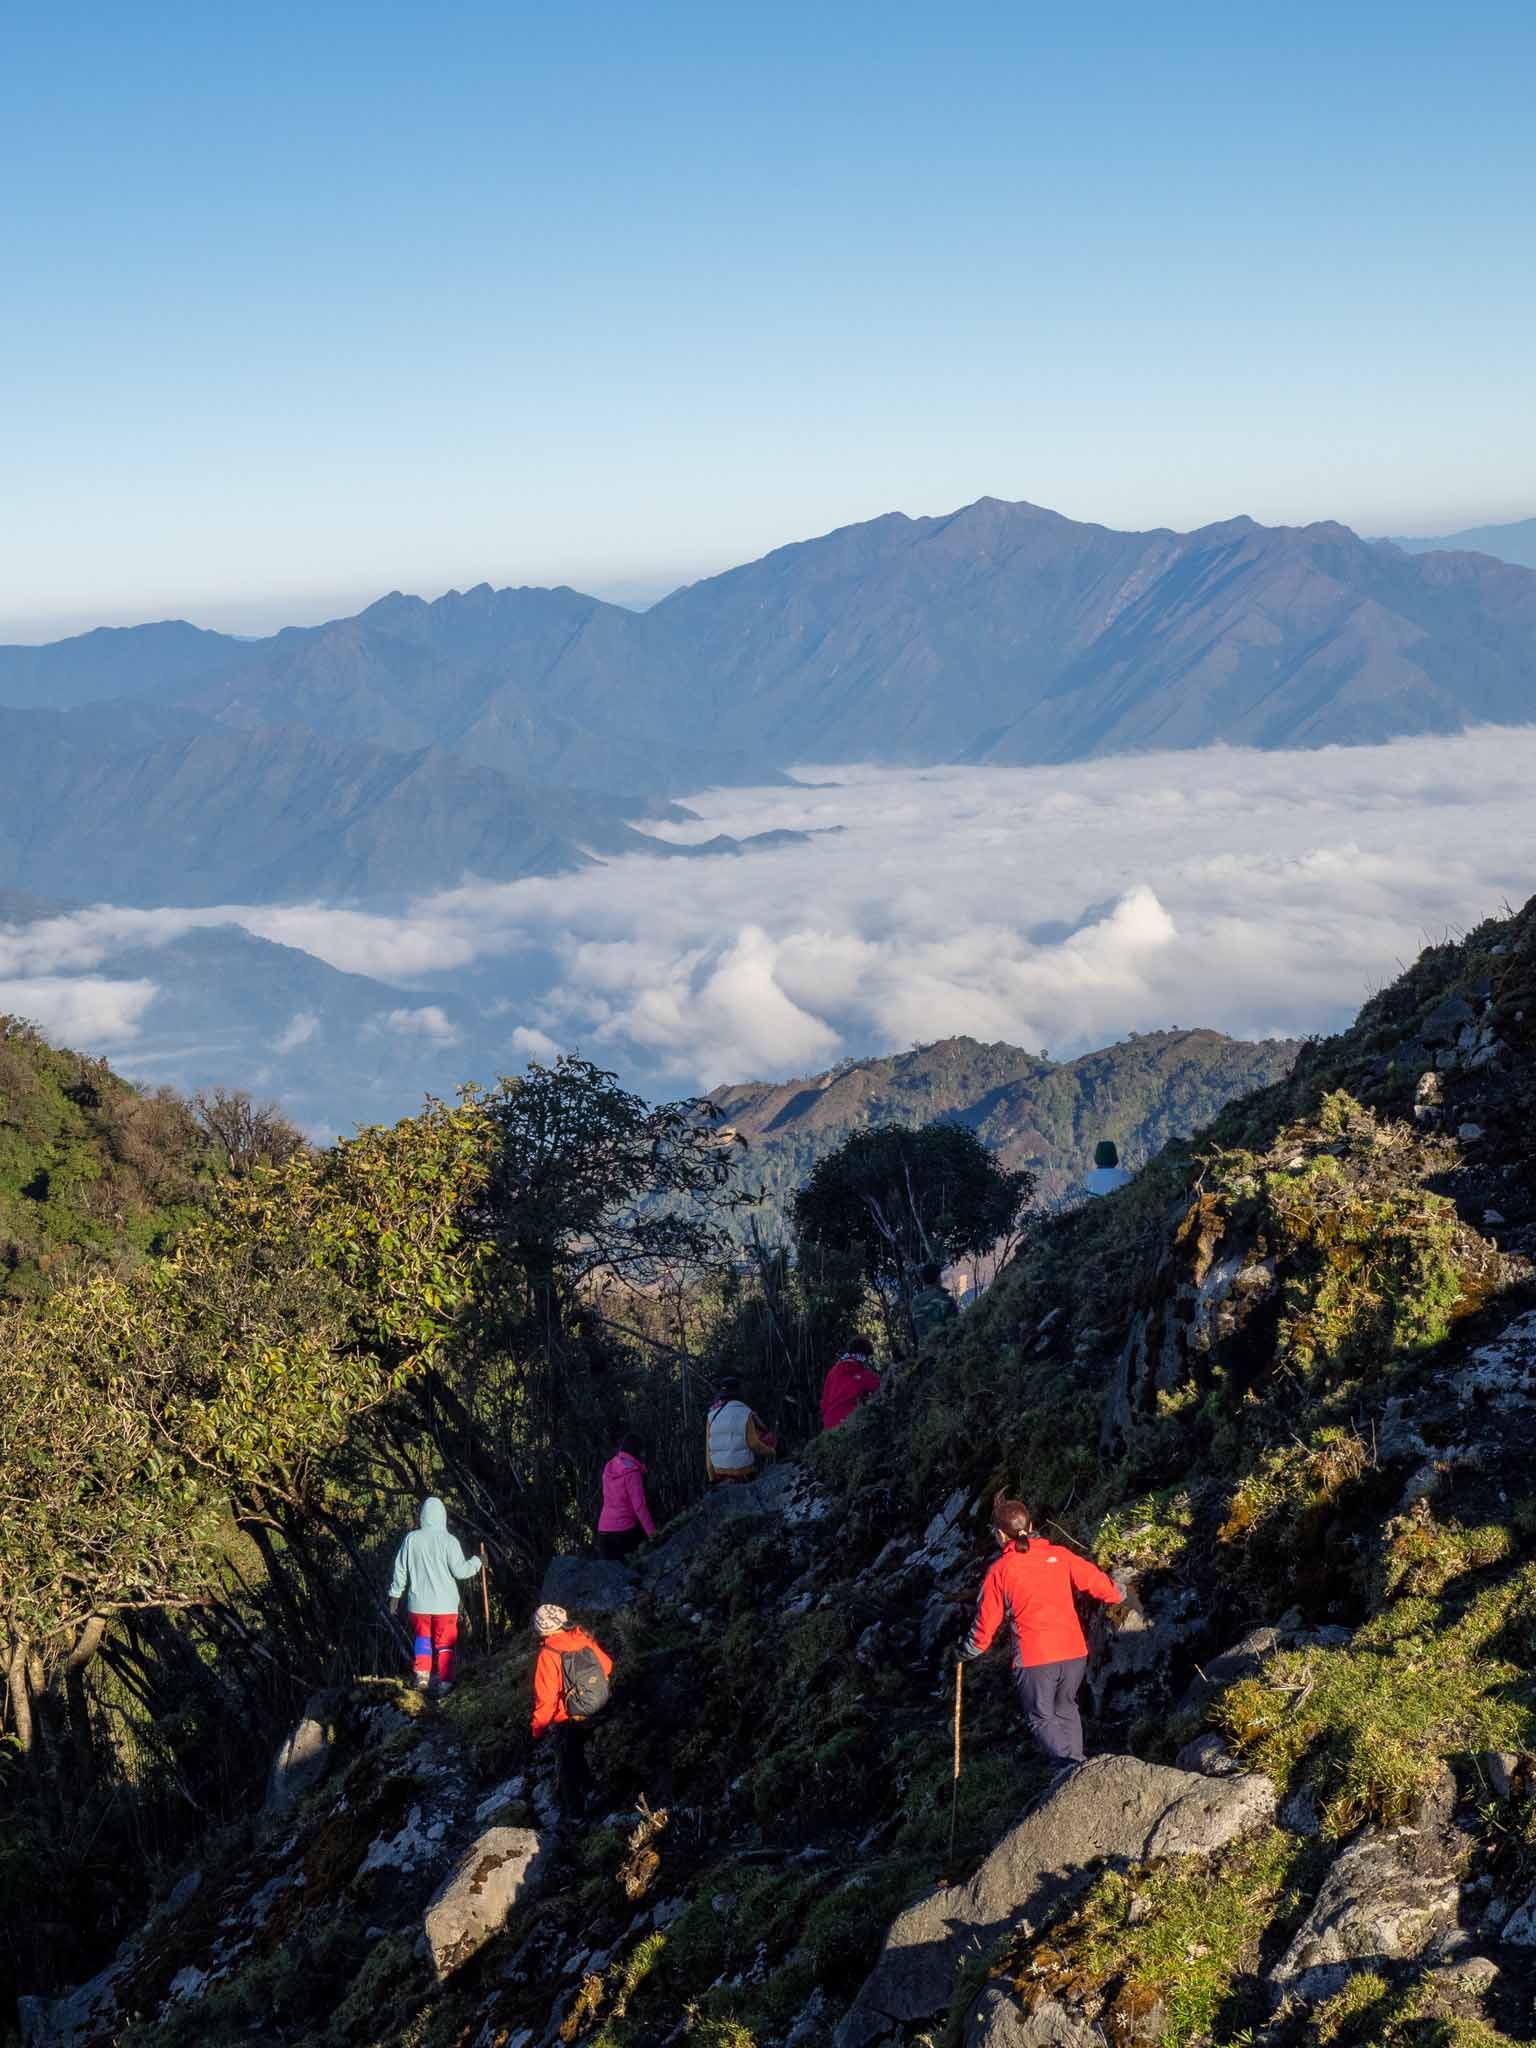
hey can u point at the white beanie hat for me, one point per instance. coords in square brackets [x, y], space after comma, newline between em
[548, 1621]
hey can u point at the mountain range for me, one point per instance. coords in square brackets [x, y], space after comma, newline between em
[506, 732]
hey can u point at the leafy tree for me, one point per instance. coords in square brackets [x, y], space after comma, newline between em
[899, 1198]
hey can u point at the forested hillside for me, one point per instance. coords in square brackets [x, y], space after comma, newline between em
[1281, 1385]
[1034, 1112]
[90, 1169]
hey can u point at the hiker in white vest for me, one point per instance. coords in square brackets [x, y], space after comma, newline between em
[1107, 1173]
[734, 1437]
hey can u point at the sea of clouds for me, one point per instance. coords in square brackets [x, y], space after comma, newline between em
[1261, 894]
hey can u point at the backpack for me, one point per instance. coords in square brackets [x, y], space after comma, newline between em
[586, 1683]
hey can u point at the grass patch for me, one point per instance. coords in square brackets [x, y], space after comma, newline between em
[1170, 1946]
[1151, 1534]
[1368, 2013]
[1369, 1724]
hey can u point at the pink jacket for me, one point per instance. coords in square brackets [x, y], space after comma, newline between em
[624, 1502]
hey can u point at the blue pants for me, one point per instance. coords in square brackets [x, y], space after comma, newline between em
[1048, 1695]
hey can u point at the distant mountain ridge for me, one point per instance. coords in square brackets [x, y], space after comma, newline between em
[1035, 1112]
[1001, 633]
[144, 804]
[1513, 542]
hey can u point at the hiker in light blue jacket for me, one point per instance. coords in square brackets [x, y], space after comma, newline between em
[428, 1567]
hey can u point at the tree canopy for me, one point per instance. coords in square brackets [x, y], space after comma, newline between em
[900, 1198]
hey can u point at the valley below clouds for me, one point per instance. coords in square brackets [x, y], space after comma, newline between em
[1258, 893]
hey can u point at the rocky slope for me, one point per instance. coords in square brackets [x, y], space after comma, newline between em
[1283, 1383]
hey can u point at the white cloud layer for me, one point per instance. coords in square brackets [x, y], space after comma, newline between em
[1059, 907]
[80, 1010]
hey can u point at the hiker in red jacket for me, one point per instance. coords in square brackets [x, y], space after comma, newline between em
[1032, 1585]
[851, 1381]
[570, 1685]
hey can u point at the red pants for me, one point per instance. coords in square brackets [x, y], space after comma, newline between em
[435, 1635]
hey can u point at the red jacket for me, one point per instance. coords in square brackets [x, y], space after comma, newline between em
[549, 1676]
[1033, 1586]
[848, 1383]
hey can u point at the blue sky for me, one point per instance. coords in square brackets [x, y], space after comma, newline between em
[305, 303]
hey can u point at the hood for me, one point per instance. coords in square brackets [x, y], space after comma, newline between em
[433, 1514]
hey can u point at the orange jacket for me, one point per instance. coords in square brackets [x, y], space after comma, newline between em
[549, 1678]
[1032, 1585]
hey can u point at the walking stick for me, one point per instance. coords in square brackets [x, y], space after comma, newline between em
[954, 1797]
[485, 1594]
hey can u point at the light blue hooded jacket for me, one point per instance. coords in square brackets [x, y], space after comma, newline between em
[429, 1564]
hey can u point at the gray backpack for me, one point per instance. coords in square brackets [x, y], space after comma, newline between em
[586, 1683]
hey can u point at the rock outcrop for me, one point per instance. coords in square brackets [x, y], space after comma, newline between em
[1383, 1900]
[500, 1869]
[1113, 1810]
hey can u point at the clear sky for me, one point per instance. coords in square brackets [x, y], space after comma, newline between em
[304, 303]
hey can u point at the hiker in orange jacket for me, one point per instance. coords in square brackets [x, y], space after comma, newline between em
[570, 1685]
[1031, 1585]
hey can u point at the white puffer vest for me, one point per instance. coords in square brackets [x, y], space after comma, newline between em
[728, 1448]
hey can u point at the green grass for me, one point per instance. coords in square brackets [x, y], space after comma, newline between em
[1368, 2013]
[1169, 1945]
[1370, 1723]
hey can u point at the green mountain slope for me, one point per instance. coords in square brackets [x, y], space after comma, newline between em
[1044, 1114]
[90, 1168]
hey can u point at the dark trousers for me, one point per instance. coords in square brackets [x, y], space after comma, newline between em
[614, 1544]
[571, 1767]
[1048, 1695]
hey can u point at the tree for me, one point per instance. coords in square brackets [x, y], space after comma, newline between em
[900, 1198]
[247, 1133]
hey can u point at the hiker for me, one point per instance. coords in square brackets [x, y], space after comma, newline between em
[933, 1305]
[570, 1685]
[734, 1437]
[849, 1384]
[625, 1521]
[428, 1567]
[1107, 1173]
[1032, 1584]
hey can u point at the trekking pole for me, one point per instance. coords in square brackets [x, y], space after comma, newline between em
[954, 1797]
[485, 1594]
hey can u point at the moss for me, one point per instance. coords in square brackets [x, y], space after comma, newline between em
[1369, 1723]
[1292, 1482]
[1369, 2013]
[1150, 1534]
[1173, 1946]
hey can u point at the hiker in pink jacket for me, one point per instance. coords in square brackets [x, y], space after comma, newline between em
[625, 1521]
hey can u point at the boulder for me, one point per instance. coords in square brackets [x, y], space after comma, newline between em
[503, 1868]
[1138, 1646]
[1378, 1903]
[999, 2021]
[1209, 1755]
[1114, 1809]
[587, 1585]
[781, 1491]
[304, 1758]
[1444, 1023]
